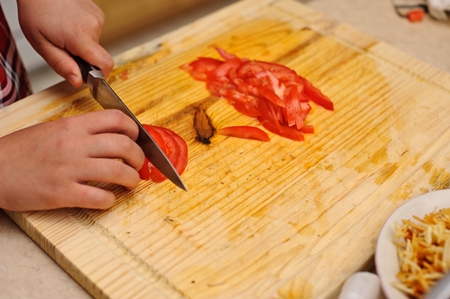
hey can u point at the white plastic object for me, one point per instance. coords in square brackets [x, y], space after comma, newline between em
[361, 285]
[438, 8]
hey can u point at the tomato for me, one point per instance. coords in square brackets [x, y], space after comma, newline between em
[270, 92]
[172, 145]
[246, 132]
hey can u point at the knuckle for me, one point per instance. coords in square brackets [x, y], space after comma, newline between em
[117, 169]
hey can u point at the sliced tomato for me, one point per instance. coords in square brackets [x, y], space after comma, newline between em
[224, 54]
[172, 145]
[246, 132]
[317, 96]
[144, 172]
[270, 95]
[199, 68]
[223, 71]
[287, 132]
[181, 163]
[293, 111]
[271, 92]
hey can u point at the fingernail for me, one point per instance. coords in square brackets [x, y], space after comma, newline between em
[72, 79]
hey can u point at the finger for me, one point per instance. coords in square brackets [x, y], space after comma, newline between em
[61, 62]
[108, 121]
[116, 146]
[90, 51]
[90, 197]
[108, 171]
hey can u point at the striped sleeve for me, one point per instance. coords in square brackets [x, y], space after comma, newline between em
[14, 83]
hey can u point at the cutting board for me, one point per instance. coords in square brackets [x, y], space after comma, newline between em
[278, 219]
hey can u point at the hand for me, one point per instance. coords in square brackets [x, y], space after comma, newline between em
[48, 165]
[54, 28]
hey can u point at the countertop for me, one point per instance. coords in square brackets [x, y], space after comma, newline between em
[27, 272]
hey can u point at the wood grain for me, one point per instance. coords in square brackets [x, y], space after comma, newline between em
[280, 219]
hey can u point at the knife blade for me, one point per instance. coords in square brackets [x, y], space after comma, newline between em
[108, 99]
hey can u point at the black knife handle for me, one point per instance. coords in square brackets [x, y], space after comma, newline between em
[85, 67]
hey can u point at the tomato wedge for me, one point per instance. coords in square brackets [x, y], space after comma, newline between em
[246, 132]
[172, 145]
[274, 94]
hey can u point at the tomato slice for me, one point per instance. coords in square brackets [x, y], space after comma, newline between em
[286, 132]
[144, 172]
[246, 132]
[172, 145]
[181, 163]
[225, 71]
[317, 96]
[199, 68]
[224, 54]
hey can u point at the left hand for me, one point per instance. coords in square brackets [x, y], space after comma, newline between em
[55, 28]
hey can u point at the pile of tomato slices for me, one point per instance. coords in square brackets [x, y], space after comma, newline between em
[270, 92]
[175, 148]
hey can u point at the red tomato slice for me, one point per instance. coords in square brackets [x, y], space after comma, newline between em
[246, 132]
[144, 172]
[172, 145]
[181, 162]
[317, 96]
[223, 71]
[224, 54]
[201, 67]
[287, 132]
[271, 96]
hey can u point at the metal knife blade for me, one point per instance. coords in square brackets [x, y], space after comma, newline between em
[108, 99]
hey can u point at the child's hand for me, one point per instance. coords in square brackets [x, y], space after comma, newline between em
[48, 165]
[55, 28]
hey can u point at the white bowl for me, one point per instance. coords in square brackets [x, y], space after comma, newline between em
[386, 260]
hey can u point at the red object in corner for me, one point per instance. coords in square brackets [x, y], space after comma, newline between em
[416, 15]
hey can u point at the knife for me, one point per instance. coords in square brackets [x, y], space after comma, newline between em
[108, 99]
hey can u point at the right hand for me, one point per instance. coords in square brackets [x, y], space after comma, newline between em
[48, 166]
[57, 28]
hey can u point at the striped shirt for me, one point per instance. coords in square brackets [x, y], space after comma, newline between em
[14, 83]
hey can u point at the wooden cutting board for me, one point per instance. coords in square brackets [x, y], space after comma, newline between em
[281, 219]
